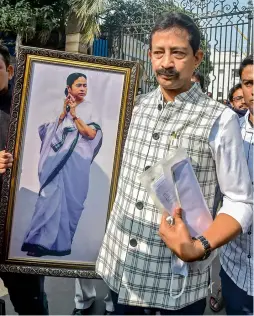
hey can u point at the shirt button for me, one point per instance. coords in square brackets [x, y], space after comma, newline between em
[147, 167]
[133, 242]
[173, 134]
[139, 205]
[249, 233]
[249, 256]
[159, 107]
[156, 136]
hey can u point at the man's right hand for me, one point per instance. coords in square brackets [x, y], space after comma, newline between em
[6, 161]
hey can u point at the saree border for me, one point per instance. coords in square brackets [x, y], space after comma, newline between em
[15, 145]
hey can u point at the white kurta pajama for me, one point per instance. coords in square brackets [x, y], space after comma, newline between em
[133, 260]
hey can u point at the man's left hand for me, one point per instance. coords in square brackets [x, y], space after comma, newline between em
[178, 239]
[6, 161]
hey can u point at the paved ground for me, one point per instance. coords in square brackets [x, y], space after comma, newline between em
[61, 291]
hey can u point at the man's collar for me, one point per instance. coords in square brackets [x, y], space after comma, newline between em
[192, 95]
[248, 124]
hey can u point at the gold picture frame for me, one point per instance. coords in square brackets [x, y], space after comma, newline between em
[37, 74]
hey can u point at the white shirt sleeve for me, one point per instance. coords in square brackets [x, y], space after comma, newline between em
[232, 170]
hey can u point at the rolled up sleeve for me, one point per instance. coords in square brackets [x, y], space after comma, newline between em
[232, 169]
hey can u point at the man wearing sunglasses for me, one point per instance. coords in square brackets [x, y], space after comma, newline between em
[236, 99]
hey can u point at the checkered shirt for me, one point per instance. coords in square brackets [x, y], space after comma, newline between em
[237, 256]
[133, 259]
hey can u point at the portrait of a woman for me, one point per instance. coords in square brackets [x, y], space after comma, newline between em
[68, 147]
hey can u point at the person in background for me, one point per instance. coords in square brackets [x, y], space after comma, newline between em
[85, 295]
[237, 104]
[225, 101]
[237, 101]
[209, 94]
[236, 257]
[26, 290]
[198, 77]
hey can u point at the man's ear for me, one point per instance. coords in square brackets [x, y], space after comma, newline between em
[10, 70]
[198, 58]
[150, 53]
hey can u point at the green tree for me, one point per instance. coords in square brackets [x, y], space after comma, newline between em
[88, 13]
[27, 19]
[140, 15]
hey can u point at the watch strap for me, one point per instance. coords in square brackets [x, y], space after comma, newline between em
[207, 247]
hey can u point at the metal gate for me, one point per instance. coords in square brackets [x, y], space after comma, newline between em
[227, 32]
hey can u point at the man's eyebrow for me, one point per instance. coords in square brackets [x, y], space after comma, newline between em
[179, 47]
[171, 48]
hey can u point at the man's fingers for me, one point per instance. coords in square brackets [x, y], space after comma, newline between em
[164, 215]
[4, 154]
[2, 170]
[177, 213]
[4, 161]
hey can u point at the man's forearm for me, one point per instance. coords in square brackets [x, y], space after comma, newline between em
[223, 229]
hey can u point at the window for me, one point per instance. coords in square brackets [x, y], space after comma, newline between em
[220, 94]
[221, 71]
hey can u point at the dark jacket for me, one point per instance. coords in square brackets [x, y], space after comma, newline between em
[240, 113]
[5, 107]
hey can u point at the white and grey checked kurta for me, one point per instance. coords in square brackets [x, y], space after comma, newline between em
[237, 256]
[133, 259]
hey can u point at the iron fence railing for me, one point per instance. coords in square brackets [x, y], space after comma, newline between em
[227, 32]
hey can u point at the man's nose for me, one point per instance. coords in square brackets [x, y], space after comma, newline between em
[168, 61]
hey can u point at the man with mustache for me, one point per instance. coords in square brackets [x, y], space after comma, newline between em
[134, 260]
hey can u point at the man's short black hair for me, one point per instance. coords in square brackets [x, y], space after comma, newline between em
[233, 90]
[4, 52]
[247, 61]
[182, 21]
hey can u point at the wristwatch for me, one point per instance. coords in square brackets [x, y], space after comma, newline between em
[207, 247]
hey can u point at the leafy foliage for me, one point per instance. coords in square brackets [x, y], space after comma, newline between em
[140, 15]
[88, 14]
[34, 17]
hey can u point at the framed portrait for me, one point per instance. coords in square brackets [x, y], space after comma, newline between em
[70, 117]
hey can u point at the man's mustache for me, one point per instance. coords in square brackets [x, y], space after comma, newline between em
[170, 72]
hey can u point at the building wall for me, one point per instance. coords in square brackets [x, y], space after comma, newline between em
[225, 73]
